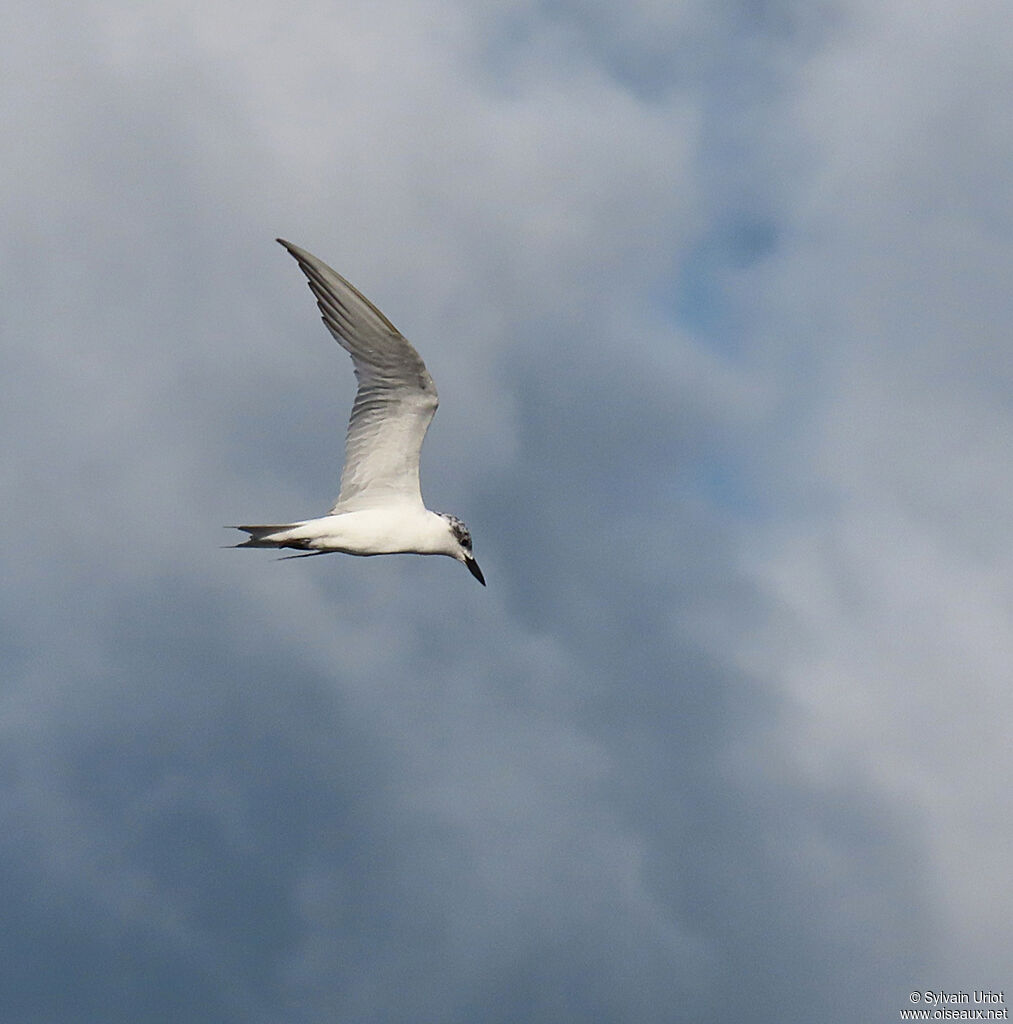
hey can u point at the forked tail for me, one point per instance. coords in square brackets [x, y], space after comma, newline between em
[268, 537]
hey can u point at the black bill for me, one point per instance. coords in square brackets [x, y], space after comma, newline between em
[474, 569]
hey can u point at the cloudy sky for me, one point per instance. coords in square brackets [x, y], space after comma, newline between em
[717, 295]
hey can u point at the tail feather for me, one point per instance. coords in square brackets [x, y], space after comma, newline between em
[267, 537]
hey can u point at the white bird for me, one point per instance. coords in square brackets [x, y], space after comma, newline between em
[379, 510]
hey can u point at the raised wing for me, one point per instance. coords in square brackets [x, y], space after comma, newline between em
[395, 402]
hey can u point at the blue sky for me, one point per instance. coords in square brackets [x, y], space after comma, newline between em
[717, 299]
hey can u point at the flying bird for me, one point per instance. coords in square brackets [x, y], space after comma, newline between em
[379, 510]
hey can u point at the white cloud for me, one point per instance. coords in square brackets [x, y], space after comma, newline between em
[889, 584]
[547, 786]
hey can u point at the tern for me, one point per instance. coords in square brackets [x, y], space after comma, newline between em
[379, 510]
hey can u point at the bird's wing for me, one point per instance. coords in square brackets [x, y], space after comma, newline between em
[395, 402]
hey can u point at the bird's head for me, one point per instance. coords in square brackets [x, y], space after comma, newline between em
[462, 546]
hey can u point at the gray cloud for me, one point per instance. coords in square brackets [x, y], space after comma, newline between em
[715, 299]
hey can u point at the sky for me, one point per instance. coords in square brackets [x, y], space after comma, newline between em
[717, 298]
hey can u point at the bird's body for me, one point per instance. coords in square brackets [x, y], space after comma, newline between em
[379, 510]
[384, 531]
